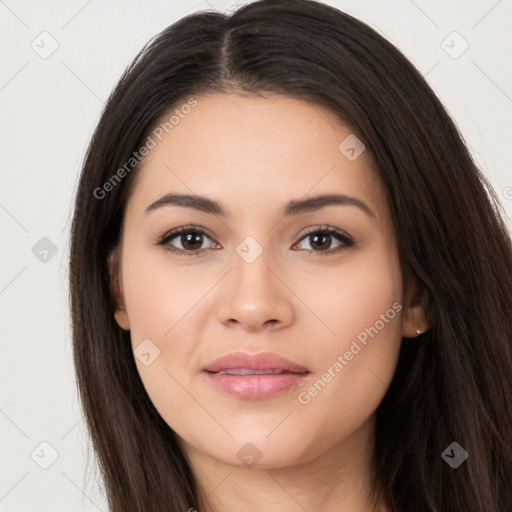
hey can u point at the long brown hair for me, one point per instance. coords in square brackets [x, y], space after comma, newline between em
[454, 383]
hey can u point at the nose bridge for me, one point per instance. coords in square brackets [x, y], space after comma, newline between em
[254, 295]
[252, 275]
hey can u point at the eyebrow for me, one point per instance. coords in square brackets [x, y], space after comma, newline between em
[294, 207]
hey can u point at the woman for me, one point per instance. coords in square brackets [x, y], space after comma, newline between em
[290, 283]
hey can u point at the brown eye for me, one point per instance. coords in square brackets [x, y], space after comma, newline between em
[191, 241]
[186, 240]
[321, 240]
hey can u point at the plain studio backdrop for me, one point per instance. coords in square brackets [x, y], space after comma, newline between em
[60, 61]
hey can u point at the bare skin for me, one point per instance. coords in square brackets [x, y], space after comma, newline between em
[303, 301]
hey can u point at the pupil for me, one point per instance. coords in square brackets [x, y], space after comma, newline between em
[190, 239]
[322, 237]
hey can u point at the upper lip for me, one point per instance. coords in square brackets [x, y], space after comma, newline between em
[261, 361]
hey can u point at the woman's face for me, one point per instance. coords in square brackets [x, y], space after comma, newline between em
[264, 280]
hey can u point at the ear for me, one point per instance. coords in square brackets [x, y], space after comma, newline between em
[120, 314]
[416, 310]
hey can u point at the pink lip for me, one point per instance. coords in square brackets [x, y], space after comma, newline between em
[261, 361]
[255, 386]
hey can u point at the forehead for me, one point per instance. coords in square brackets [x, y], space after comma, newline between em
[253, 151]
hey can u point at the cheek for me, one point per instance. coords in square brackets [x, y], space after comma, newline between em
[164, 303]
[353, 298]
[370, 316]
[356, 365]
[161, 298]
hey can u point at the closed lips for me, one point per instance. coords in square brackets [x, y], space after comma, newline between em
[254, 376]
[244, 363]
[247, 371]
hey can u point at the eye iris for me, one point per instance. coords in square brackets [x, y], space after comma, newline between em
[192, 238]
[318, 239]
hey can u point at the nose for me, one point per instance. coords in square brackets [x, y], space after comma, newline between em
[255, 297]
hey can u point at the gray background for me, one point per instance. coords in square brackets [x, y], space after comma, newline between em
[49, 106]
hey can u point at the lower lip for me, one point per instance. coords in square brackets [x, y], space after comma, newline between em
[256, 386]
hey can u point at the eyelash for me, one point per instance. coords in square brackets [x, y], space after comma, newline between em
[347, 242]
